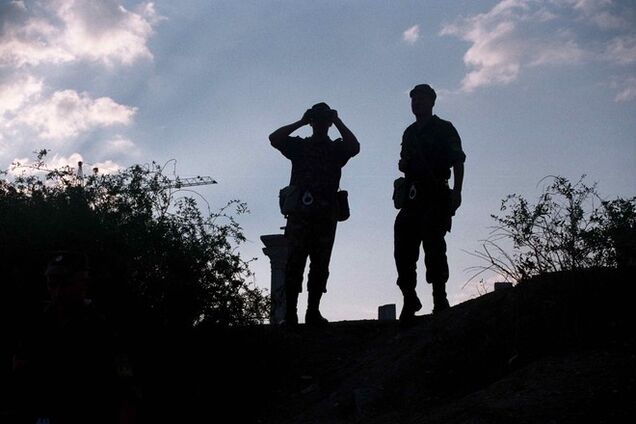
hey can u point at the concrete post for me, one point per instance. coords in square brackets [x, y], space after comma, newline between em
[386, 312]
[276, 251]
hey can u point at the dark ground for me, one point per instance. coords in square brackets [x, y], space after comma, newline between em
[560, 348]
[556, 349]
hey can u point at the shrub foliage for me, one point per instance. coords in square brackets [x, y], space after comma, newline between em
[570, 227]
[152, 250]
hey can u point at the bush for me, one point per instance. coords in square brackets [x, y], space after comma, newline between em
[569, 228]
[153, 252]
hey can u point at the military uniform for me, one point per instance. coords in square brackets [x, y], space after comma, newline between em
[311, 226]
[67, 366]
[70, 374]
[427, 155]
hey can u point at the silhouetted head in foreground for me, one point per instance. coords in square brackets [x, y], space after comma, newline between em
[67, 279]
[422, 101]
[320, 118]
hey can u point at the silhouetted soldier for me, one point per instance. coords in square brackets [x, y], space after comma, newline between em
[66, 363]
[430, 148]
[311, 204]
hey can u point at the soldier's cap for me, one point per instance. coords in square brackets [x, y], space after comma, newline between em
[321, 107]
[423, 89]
[320, 111]
[66, 263]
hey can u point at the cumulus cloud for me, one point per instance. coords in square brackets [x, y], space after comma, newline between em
[62, 31]
[600, 13]
[15, 93]
[66, 114]
[503, 42]
[622, 50]
[105, 31]
[626, 89]
[119, 146]
[34, 114]
[411, 35]
[106, 167]
[31, 117]
[31, 43]
[493, 57]
[519, 34]
[18, 4]
[18, 91]
[57, 161]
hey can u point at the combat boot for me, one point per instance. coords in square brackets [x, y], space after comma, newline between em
[440, 302]
[313, 316]
[412, 304]
[291, 306]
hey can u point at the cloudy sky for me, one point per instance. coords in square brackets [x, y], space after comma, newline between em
[535, 88]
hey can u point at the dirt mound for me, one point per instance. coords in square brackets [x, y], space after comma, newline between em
[559, 348]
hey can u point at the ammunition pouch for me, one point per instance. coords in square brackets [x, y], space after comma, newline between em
[419, 193]
[400, 192]
[289, 199]
[292, 199]
[342, 199]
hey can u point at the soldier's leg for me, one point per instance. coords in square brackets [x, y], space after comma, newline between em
[320, 249]
[406, 251]
[295, 232]
[436, 266]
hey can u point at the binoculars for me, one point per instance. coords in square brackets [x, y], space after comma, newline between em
[321, 115]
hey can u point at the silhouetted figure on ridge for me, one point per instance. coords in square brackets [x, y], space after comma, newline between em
[66, 365]
[312, 203]
[431, 147]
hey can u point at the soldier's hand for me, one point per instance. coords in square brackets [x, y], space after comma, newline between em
[456, 200]
[334, 115]
[306, 117]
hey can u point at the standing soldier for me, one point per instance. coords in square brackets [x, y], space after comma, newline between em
[431, 147]
[312, 203]
[67, 365]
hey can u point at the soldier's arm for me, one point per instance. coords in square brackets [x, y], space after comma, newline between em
[349, 140]
[281, 135]
[404, 155]
[458, 176]
[457, 157]
[458, 181]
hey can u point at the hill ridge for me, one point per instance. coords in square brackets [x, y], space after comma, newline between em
[557, 348]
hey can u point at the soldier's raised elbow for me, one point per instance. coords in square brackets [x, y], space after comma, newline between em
[273, 140]
[355, 148]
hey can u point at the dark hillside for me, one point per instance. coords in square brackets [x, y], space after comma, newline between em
[555, 349]
[559, 348]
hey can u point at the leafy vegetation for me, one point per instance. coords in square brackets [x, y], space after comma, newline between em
[570, 227]
[153, 252]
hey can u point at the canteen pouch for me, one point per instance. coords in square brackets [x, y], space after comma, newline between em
[342, 198]
[400, 192]
[288, 199]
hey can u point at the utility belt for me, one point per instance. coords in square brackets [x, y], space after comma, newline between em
[293, 199]
[408, 193]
